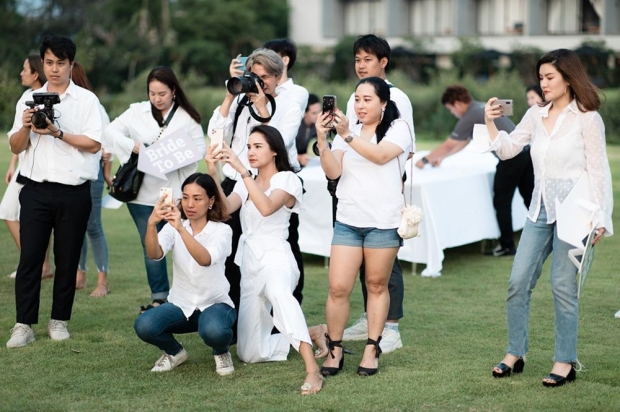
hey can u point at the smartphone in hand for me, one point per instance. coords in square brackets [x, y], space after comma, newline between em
[507, 106]
[217, 138]
[243, 60]
[167, 193]
[329, 104]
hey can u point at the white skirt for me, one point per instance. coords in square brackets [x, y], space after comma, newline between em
[9, 207]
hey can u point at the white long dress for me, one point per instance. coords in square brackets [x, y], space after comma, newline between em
[269, 275]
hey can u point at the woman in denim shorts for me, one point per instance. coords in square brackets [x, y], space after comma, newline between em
[368, 158]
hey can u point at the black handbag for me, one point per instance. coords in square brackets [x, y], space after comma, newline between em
[127, 180]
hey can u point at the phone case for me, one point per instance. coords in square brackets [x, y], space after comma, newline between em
[166, 191]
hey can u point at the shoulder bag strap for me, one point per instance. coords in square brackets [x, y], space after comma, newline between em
[411, 172]
[166, 123]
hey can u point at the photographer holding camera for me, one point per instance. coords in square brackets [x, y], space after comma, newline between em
[251, 100]
[61, 157]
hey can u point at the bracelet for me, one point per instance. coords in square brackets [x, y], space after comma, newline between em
[424, 160]
[323, 149]
[247, 173]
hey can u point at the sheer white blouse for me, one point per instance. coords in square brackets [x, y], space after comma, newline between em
[575, 146]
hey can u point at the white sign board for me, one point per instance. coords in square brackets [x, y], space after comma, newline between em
[168, 154]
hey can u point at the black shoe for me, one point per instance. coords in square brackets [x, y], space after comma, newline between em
[561, 380]
[506, 370]
[501, 251]
[370, 371]
[332, 344]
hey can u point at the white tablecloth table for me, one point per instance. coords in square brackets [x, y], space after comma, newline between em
[456, 198]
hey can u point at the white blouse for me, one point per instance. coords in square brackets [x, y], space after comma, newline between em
[575, 146]
[195, 286]
[137, 124]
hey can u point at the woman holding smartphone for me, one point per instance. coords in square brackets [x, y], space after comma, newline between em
[166, 111]
[198, 300]
[269, 272]
[567, 138]
[369, 159]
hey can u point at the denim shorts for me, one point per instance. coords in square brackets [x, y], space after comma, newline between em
[367, 237]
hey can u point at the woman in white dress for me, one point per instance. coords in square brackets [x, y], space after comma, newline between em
[269, 271]
[33, 78]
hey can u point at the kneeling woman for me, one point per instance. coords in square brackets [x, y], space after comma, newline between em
[198, 300]
[269, 272]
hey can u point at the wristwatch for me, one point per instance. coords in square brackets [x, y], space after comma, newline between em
[60, 134]
[424, 160]
[349, 138]
[247, 173]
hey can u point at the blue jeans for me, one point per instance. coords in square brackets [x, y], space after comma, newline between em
[537, 242]
[214, 326]
[156, 271]
[94, 231]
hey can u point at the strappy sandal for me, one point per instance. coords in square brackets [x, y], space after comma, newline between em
[362, 371]
[308, 389]
[332, 344]
[156, 303]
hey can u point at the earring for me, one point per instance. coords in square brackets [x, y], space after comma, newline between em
[174, 97]
[210, 207]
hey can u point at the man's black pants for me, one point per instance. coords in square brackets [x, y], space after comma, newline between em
[511, 174]
[47, 207]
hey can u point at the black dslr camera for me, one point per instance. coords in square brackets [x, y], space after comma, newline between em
[48, 100]
[244, 84]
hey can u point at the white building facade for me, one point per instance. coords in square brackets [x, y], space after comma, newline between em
[502, 25]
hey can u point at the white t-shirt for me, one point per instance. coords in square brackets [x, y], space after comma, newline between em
[49, 159]
[137, 124]
[195, 286]
[370, 195]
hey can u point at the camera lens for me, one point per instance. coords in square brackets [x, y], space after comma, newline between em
[238, 85]
[39, 120]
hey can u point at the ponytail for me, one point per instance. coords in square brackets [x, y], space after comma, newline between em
[390, 114]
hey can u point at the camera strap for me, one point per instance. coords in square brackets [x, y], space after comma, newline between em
[245, 102]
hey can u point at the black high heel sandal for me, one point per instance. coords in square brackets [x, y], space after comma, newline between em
[561, 380]
[362, 371]
[506, 370]
[331, 345]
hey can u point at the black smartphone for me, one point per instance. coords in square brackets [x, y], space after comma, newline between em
[329, 104]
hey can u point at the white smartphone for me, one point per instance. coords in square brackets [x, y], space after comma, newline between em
[217, 138]
[507, 107]
[167, 193]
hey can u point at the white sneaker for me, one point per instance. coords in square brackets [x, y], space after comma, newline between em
[12, 275]
[390, 340]
[224, 364]
[58, 330]
[168, 362]
[617, 315]
[21, 335]
[357, 331]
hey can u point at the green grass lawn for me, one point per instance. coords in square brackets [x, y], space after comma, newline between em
[454, 331]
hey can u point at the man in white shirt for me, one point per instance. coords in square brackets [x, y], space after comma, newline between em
[61, 157]
[372, 55]
[288, 91]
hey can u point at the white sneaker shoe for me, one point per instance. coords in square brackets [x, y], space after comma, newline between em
[390, 340]
[168, 362]
[58, 330]
[357, 331]
[21, 335]
[617, 315]
[224, 364]
[12, 275]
